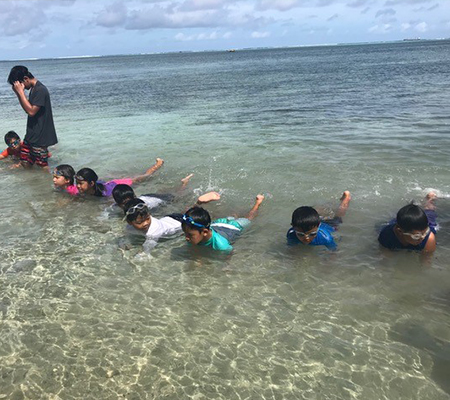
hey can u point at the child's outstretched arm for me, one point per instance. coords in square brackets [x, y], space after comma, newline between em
[254, 211]
[158, 164]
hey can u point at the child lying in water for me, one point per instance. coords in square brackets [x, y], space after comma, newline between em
[308, 227]
[138, 216]
[122, 194]
[89, 184]
[413, 229]
[218, 234]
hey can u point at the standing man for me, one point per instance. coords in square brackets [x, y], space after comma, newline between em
[40, 127]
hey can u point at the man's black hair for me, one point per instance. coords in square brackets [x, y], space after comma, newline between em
[305, 218]
[141, 212]
[11, 136]
[89, 175]
[67, 172]
[122, 193]
[412, 218]
[18, 73]
[200, 216]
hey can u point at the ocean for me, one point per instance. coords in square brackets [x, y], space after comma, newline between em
[84, 314]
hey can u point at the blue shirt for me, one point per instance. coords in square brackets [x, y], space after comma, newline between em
[389, 239]
[324, 237]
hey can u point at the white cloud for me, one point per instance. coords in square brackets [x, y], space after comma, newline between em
[405, 26]
[13, 23]
[260, 35]
[421, 27]
[201, 36]
[193, 5]
[381, 28]
[280, 5]
[113, 15]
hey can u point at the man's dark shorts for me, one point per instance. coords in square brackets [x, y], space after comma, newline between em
[34, 155]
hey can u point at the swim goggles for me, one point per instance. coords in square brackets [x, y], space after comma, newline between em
[188, 220]
[79, 178]
[57, 173]
[417, 236]
[307, 235]
[15, 143]
[136, 208]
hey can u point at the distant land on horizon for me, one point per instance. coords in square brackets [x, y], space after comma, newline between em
[398, 41]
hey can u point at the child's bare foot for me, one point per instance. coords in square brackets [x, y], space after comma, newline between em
[346, 197]
[185, 180]
[345, 202]
[429, 201]
[259, 199]
[207, 197]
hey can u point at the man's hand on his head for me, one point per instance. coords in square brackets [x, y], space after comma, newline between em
[18, 87]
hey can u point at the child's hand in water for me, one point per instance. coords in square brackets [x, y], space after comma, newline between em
[207, 197]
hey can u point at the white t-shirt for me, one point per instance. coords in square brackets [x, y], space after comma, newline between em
[152, 202]
[163, 227]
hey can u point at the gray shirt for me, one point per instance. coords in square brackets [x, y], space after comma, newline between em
[40, 128]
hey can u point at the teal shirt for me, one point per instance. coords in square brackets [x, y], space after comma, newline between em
[218, 242]
[224, 231]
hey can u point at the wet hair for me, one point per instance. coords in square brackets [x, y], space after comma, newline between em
[10, 136]
[412, 218]
[200, 216]
[123, 193]
[18, 73]
[66, 171]
[137, 212]
[305, 218]
[89, 175]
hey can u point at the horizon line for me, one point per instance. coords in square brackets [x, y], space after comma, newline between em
[405, 40]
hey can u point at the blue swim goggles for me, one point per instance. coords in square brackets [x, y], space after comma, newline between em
[188, 220]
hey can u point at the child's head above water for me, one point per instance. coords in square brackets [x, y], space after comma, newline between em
[12, 139]
[305, 221]
[122, 194]
[137, 214]
[63, 176]
[87, 182]
[412, 224]
[196, 225]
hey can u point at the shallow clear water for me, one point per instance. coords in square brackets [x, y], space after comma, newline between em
[83, 317]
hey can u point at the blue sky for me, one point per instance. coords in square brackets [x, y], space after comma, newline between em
[58, 28]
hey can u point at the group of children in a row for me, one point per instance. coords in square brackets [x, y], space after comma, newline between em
[413, 229]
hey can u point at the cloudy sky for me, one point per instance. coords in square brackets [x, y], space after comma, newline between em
[57, 28]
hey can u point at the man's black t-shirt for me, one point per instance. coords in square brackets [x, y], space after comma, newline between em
[40, 128]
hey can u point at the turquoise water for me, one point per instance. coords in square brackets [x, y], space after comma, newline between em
[82, 316]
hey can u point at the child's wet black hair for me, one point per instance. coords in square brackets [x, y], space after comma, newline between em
[412, 218]
[10, 136]
[123, 193]
[305, 218]
[200, 216]
[66, 171]
[89, 175]
[135, 208]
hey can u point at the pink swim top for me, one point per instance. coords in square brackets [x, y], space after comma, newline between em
[110, 185]
[72, 190]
